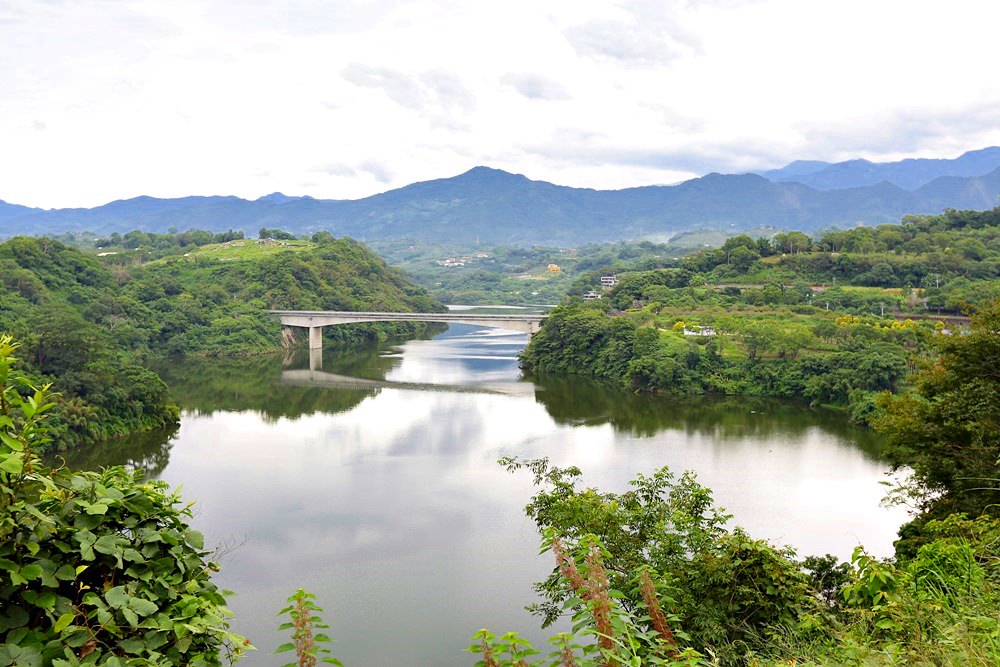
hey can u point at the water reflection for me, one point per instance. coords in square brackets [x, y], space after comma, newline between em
[387, 502]
[208, 386]
[144, 451]
[723, 418]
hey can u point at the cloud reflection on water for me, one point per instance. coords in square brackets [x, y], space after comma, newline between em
[392, 508]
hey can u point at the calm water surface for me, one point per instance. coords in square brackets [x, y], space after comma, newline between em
[371, 480]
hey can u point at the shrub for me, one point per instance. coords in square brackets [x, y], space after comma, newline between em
[96, 567]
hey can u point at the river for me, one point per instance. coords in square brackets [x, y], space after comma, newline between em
[370, 479]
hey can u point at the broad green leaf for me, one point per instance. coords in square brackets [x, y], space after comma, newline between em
[11, 463]
[196, 539]
[45, 600]
[132, 645]
[106, 544]
[130, 616]
[66, 572]
[10, 440]
[117, 597]
[142, 606]
[63, 621]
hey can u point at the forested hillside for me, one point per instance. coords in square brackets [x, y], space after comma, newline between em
[90, 324]
[834, 320]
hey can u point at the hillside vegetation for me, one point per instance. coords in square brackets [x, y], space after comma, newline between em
[91, 322]
[834, 320]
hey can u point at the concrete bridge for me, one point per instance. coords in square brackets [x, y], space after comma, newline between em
[315, 320]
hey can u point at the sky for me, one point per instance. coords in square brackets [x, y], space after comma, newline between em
[340, 99]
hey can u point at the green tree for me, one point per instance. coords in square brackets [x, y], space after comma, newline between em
[729, 592]
[948, 430]
[743, 258]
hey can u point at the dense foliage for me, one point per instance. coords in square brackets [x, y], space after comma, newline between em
[948, 429]
[825, 359]
[50, 293]
[93, 322]
[652, 577]
[926, 263]
[208, 306]
[731, 591]
[937, 263]
[96, 568]
[833, 320]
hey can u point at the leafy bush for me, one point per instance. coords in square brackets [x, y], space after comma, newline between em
[730, 593]
[96, 567]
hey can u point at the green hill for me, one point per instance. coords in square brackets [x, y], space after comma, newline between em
[91, 324]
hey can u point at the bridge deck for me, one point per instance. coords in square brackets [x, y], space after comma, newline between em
[315, 320]
[437, 317]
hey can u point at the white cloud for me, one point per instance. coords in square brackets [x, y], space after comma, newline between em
[104, 100]
[401, 88]
[536, 86]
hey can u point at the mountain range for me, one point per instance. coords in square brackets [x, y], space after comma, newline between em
[908, 174]
[491, 205]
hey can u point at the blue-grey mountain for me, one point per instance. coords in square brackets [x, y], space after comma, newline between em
[490, 205]
[908, 174]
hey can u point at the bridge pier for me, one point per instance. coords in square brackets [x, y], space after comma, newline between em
[315, 338]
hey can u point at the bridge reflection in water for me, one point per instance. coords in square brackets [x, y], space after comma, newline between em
[315, 376]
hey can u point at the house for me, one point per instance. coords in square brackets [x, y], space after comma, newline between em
[607, 282]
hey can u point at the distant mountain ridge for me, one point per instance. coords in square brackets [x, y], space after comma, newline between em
[491, 205]
[10, 211]
[908, 174]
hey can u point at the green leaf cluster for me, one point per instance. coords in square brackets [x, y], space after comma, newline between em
[729, 592]
[97, 568]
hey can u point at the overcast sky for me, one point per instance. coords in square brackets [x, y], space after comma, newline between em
[108, 99]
